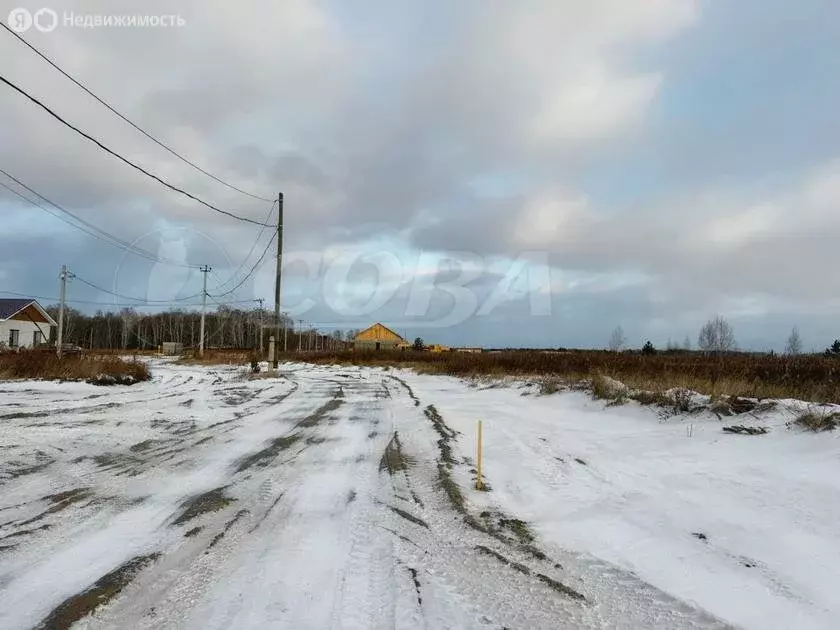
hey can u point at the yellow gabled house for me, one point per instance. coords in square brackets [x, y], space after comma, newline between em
[377, 337]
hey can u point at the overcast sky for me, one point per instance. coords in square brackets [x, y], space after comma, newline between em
[503, 173]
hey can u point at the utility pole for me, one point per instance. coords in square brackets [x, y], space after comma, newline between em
[311, 336]
[205, 270]
[285, 334]
[261, 325]
[300, 335]
[277, 280]
[59, 340]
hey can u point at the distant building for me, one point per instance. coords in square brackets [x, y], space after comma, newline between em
[24, 323]
[377, 337]
[437, 347]
[172, 348]
[476, 350]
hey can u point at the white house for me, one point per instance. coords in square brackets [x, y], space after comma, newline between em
[23, 323]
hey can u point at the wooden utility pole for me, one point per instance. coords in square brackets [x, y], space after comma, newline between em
[262, 327]
[300, 335]
[277, 279]
[205, 270]
[59, 340]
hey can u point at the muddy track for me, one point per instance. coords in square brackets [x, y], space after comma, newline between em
[100, 593]
[316, 417]
[512, 550]
[503, 529]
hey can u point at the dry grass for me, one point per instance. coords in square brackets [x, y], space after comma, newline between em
[606, 388]
[818, 422]
[218, 357]
[809, 377]
[121, 352]
[47, 366]
[550, 385]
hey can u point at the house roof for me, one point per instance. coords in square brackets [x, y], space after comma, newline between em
[360, 336]
[9, 307]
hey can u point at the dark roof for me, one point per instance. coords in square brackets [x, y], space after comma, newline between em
[10, 306]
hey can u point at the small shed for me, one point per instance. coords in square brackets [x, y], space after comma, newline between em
[172, 348]
[377, 337]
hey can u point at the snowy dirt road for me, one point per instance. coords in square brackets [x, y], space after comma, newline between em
[326, 498]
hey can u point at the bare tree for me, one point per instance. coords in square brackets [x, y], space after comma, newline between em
[687, 343]
[716, 336]
[350, 334]
[618, 340]
[794, 343]
[129, 329]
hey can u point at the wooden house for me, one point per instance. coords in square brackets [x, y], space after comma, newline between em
[377, 337]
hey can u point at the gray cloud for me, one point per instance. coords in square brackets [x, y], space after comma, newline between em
[495, 128]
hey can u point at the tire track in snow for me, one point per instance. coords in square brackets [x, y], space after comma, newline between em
[45, 546]
[619, 598]
[321, 521]
[270, 495]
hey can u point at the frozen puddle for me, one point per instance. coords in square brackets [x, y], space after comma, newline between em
[344, 498]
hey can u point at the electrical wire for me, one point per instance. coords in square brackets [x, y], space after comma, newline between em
[75, 301]
[250, 253]
[253, 269]
[219, 304]
[124, 118]
[130, 297]
[109, 239]
[126, 160]
[219, 284]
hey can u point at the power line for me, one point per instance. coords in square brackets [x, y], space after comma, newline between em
[156, 305]
[220, 284]
[253, 247]
[259, 261]
[123, 159]
[221, 304]
[124, 118]
[253, 269]
[109, 239]
[117, 242]
[129, 297]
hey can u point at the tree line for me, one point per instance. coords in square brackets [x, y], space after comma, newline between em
[716, 336]
[225, 327]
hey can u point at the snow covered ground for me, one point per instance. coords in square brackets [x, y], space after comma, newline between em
[341, 497]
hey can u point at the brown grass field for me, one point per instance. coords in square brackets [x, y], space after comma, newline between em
[218, 356]
[46, 365]
[807, 377]
[814, 378]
